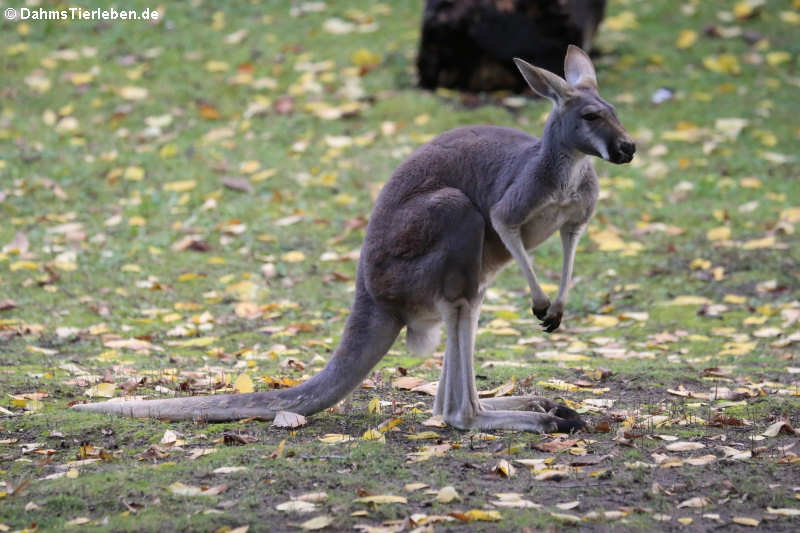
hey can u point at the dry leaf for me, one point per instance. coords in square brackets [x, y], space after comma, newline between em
[296, 506]
[285, 419]
[697, 501]
[447, 494]
[381, 498]
[318, 522]
[243, 384]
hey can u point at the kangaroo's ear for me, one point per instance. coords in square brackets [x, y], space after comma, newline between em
[579, 69]
[544, 83]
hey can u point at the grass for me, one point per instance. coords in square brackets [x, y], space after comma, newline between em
[103, 180]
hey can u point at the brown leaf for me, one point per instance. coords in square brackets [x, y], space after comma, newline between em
[191, 242]
[5, 305]
[781, 426]
[208, 111]
[554, 446]
[283, 105]
[233, 439]
[238, 184]
[407, 382]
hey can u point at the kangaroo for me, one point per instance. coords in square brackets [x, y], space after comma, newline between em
[449, 218]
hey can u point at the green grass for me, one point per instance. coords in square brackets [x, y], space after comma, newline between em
[97, 263]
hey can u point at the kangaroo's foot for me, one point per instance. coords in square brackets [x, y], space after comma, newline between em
[564, 418]
[527, 421]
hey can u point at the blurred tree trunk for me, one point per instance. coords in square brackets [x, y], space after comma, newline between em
[469, 44]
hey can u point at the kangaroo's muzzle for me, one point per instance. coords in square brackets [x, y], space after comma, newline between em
[623, 151]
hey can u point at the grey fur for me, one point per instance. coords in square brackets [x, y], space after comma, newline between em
[451, 216]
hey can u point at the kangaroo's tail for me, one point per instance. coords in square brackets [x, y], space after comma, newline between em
[368, 334]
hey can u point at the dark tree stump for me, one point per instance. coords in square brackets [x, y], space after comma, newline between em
[469, 44]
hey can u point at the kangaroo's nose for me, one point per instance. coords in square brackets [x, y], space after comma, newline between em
[628, 147]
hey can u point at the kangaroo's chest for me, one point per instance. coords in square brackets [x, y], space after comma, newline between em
[563, 207]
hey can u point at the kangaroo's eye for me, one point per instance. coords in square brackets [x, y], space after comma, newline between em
[590, 116]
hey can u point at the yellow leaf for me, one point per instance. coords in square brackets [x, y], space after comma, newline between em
[734, 299]
[295, 256]
[504, 468]
[686, 38]
[197, 342]
[604, 321]
[486, 516]
[244, 290]
[423, 435]
[243, 384]
[700, 264]
[23, 265]
[133, 93]
[723, 64]
[318, 522]
[373, 434]
[722, 233]
[136, 221]
[335, 438]
[102, 390]
[791, 17]
[743, 10]
[758, 244]
[217, 66]
[249, 167]
[374, 406]
[365, 58]
[778, 58]
[411, 487]
[382, 498]
[624, 21]
[168, 150]
[745, 521]
[184, 490]
[697, 501]
[180, 185]
[689, 300]
[133, 173]
[72, 473]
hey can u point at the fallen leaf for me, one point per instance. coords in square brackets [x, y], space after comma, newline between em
[381, 498]
[486, 516]
[447, 494]
[683, 446]
[243, 384]
[697, 501]
[296, 506]
[318, 522]
[285, 419]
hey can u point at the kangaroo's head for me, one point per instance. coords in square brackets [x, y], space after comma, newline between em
[581, 120]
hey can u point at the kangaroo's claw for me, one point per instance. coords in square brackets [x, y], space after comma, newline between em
[551, 322]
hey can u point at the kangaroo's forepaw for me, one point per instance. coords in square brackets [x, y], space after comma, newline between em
[551, 321]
